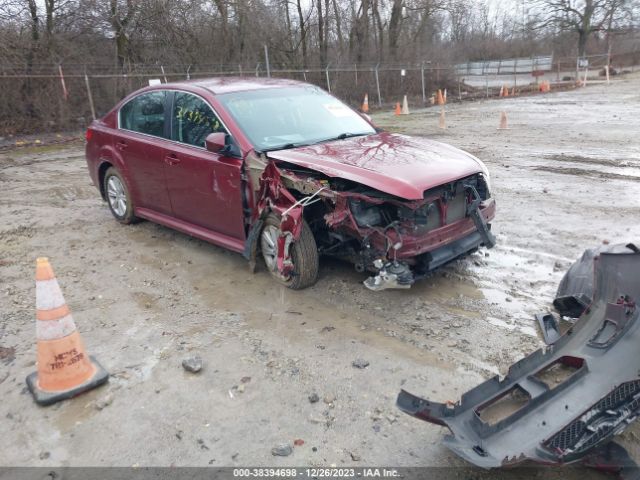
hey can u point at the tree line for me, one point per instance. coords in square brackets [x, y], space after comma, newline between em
[301, 33]
[41, 38]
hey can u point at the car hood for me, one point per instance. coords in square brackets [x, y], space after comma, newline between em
[395, 164]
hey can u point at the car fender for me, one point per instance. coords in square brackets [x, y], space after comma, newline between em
[110, 155]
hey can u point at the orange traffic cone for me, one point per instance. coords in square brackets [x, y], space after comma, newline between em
[398, 110]
[365, 103]
[501, 94]
[405, 106]
[513, 91]
[442, 121]
[439, 98]
[506, 91]
[503, 121]
[64, 368]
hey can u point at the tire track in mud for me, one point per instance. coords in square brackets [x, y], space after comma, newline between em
[580, 172]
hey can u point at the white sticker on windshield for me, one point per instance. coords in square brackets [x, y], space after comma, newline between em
[338, 109]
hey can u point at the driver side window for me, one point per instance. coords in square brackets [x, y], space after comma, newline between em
[193, 120]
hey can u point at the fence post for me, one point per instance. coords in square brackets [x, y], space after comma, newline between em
[378, 86]
[188, 74]
[355, 66]
[93, 110]
[326, 72]
[65, 92]
[257, 69]
[266, 59]
[424, 94]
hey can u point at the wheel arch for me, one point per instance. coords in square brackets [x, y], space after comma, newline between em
[102, 170]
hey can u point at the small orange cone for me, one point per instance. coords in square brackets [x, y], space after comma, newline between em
[439, 98]
[398, 110]
[501, 94]
[506, 91]
[513, 91]
[365, 103]
[442, 121]
[64, 368]
[503, 121]
[405, 106]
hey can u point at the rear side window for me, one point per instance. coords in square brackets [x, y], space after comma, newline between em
[193, 120]
[144, 114]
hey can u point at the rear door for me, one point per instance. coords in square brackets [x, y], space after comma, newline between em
[141, 139]
[204, 187]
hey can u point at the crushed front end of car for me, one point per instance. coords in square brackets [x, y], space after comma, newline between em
[402, 241]
[398, 240]
[557, 404]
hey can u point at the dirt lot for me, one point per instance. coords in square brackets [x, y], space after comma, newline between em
[566, 176]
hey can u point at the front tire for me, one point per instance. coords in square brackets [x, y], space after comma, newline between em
[303, 253]
[118, 197]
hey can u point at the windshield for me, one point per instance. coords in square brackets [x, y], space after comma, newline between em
[276, 118]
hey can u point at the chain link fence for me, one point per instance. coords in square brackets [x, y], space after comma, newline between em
[68, 97]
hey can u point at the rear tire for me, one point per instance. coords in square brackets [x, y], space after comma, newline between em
[303, 252]
[118, 197]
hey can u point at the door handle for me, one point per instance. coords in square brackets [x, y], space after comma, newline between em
[171, 159]
[121, 145]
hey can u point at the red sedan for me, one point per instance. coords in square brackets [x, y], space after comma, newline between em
[282, 170]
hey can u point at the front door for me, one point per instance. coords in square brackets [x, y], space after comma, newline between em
[204, 187]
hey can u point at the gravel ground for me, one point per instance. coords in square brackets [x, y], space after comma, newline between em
[566, 176]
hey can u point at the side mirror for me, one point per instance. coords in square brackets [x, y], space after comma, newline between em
[215, 141]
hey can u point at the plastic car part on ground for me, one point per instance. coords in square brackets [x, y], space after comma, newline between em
[557, 404]
[576, 287]
[549, 327]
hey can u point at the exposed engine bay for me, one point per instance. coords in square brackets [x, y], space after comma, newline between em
[398, 240]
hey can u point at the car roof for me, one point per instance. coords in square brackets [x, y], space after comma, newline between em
[221, 85]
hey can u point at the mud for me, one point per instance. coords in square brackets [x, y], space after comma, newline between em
[145, 297]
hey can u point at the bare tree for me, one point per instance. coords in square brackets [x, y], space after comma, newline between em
[120, 18]
[583, 17]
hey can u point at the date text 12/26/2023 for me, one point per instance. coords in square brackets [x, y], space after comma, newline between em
[316, 472]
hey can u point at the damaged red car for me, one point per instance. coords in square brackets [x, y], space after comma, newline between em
[282, 171]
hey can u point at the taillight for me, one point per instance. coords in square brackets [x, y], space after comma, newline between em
[88, 135]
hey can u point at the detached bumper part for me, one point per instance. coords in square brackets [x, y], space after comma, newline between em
[391, 275]
[473, 210]
[558, 404]
[576, 287]
[549, 327]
